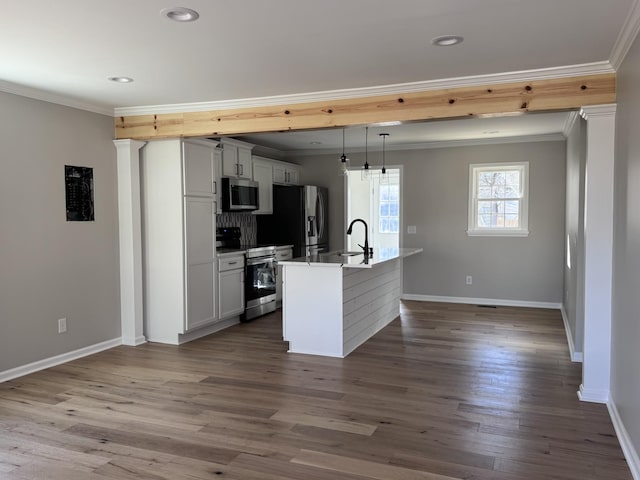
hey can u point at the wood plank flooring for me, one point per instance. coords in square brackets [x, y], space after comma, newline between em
[444, 392]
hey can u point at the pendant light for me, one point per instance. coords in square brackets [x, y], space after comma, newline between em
[344, 161]
[384, 176]
[365, 167]
[384, 138]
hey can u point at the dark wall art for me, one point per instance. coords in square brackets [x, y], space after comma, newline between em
[79, 193]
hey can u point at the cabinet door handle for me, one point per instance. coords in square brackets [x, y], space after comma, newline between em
[215, 188]
[232, 263]
[241, 169]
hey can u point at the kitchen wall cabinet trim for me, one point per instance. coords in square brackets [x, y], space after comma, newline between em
[130, 241]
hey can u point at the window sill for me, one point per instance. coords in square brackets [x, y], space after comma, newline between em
[498, 233]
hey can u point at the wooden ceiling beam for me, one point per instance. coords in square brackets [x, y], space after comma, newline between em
[499, 99]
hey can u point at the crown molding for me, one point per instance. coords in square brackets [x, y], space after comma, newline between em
[548, 137]
[36, 94]
[595, 68]
[607, 110]
[627, 35]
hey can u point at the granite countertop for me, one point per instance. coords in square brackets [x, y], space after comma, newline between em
[337, 258]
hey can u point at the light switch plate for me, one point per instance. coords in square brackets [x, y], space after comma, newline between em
[411, 229]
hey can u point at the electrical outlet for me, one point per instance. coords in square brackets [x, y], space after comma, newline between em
[62, 325]
[469, 280]
[411, 229]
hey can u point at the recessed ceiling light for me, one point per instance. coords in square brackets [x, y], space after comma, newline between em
[315, 143]
[180, 14]
[121, 79]
[491, 132]
[447, 40]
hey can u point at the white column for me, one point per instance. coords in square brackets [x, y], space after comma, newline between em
[598, 238]
[129, 223]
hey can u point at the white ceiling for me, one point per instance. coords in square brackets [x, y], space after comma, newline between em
[265, 52]
[531, 126]
[242, 49]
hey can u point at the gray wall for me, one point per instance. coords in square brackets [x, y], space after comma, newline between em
[51, 268]
[574, 230]
[435, 184]
[625, 374]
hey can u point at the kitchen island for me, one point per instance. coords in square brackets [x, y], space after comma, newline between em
[336, 301]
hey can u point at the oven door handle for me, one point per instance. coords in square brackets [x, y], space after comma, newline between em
[257, 261]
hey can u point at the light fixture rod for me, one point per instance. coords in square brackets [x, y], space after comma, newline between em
[366, 154]
[384, 141]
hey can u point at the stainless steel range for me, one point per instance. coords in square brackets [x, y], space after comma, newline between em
[259, 274]
[260, 281]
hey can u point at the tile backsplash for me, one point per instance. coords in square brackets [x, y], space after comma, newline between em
[246, 221]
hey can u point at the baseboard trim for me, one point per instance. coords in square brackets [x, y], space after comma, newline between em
[58, 359]
[134, 342]
[575, 356]
[593, 395]
[203, 332]
[630, 453]
[481, 301]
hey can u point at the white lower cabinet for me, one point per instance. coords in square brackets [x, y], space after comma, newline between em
[200, 259]
[230, 286]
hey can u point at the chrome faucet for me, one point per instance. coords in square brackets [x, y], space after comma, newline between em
[365, 247]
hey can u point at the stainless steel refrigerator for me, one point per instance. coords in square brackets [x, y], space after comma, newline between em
[300, 218]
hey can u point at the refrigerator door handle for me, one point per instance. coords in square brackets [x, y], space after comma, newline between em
[310, 229]
[320, 210]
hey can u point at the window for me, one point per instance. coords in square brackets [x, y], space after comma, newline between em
[389, 205]
[498, 199]
[377, 199]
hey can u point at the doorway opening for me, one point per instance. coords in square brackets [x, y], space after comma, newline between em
[376, 199]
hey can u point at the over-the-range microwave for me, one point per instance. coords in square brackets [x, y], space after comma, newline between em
[239, 194]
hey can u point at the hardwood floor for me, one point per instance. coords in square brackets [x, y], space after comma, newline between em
[445, 392]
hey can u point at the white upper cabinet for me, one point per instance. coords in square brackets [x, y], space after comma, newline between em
[285, 174]
[236, 158]
[263, 174]
[199, 168]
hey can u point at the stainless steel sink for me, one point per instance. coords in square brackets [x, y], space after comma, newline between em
[350, 254]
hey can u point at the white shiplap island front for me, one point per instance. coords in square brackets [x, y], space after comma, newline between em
[333, 303]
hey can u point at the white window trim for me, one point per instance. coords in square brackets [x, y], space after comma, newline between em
[472, 229]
